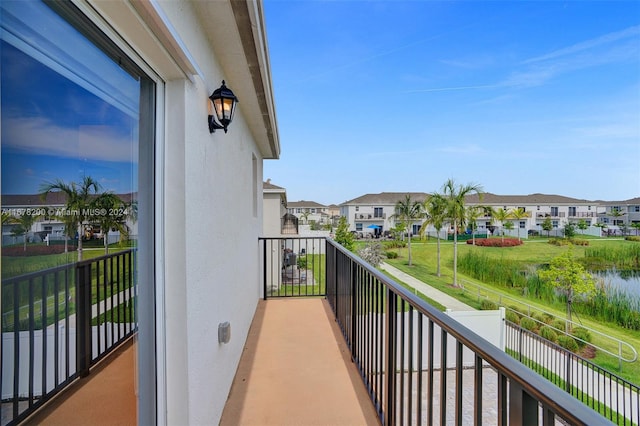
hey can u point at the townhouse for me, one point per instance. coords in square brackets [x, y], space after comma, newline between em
[369, 212]
[372, 214]
[309, 212]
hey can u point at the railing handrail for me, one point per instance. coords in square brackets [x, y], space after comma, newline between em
[556, 399]
[40, 272]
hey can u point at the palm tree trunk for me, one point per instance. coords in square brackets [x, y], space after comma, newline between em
[106, 242]
[409, 236]
[455, 253]
[438, 242]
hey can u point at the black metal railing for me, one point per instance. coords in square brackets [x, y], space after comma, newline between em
[293, 267]
[57, 323]
[442, 372]
[600, 389]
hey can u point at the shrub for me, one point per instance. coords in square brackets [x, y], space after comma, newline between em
[579, 242]
[488, 305]
[539, 317]
[512, 316]
[568, 343]
[559, 324]
[496, 242]
[633, 238]
[391, 254]
[549, 334]
[371, 253]
[583, 335]
[528, 324]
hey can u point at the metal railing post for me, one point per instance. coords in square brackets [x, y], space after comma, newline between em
[354, 277]
[523, 409]
[83, 318]
[390, 354]
[264, 269]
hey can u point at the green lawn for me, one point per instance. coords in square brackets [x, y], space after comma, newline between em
[535, 251]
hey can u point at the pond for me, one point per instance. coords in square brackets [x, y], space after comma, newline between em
[627, 282]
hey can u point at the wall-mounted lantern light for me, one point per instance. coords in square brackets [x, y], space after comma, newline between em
[224, 104]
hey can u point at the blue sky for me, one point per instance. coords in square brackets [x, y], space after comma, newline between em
[76, 114]
[519, 97]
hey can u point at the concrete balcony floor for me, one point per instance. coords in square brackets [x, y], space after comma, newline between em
[106, 397]
[295, 370]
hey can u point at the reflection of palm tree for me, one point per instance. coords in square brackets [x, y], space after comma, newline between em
[112, 214]
[456, 212]
[25, 222]
[80, 202]
[407, 212]
[435, 207]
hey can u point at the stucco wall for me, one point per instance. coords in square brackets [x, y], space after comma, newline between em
[220, 277]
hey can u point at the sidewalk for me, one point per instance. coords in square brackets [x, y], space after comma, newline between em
[440, 297]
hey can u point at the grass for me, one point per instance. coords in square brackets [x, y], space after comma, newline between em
[536, 251]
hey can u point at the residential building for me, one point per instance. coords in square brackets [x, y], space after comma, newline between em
[276, 220]
[48, 213]
[371, 212]
[309, 212]
[537, 208]
[620, 215]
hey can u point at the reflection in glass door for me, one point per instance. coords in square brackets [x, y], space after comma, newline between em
[70, 136]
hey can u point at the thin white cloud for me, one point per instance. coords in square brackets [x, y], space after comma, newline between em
[588, 45]
[454, 88]
[469, 149]
[42, 137]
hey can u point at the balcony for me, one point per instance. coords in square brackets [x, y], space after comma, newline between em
[369, 216]
[323, 358]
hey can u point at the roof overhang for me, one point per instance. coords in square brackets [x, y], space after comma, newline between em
[235, 30]
[244, 56]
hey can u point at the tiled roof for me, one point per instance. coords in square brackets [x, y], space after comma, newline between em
[303, 203]
[489, 198]
[52, 199]
[388, 198]
[269, 185]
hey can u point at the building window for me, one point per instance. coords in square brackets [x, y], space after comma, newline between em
[554, 211]
[357, 208]
[358, 226]
[377, 212]
[555, 223]
[635, 209]
[572, 211]
[523, 224]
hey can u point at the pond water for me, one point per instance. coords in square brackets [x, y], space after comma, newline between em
[626, 282]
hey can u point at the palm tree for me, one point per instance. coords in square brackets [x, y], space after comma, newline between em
[502, 215]
[518, 214]
[407, 212]
[435, 207]
[305, 216]
[473, 213]
[80, 201]
[456, 212]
